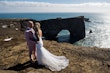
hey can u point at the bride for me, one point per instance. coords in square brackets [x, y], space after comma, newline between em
[44, 57]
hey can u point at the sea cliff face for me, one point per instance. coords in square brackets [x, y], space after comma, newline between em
[51, 27]
[14, 54]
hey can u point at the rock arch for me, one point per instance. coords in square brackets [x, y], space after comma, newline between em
[75, 26]
[52, 27]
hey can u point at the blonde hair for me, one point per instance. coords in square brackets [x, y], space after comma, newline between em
[37, 28]
[38, 25]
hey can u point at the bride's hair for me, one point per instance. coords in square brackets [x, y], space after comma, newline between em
[37, 25]
[36, 28]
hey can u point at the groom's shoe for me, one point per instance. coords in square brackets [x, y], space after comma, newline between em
[32, 61]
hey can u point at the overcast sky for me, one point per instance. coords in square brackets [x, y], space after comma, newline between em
[22, 6]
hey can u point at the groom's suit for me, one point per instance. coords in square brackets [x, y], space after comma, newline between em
[31, 41]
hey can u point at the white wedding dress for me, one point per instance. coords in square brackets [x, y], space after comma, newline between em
[53, 62]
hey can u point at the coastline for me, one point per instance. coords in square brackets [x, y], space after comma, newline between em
[14, 54]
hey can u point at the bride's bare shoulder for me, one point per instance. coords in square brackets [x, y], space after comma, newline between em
[40, 32]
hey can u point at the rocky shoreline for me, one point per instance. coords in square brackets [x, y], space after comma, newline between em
[14, 54]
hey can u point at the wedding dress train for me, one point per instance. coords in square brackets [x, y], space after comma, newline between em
[49, 60]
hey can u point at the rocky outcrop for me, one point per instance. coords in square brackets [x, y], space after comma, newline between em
[75, 26]
[52, 27]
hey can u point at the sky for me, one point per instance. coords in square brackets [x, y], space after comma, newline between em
[38, 6]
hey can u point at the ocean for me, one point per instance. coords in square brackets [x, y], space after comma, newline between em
[100, 26]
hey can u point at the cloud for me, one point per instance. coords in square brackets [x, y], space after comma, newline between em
[25, 6]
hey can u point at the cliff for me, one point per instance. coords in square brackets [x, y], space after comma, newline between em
[51, 27]
[14, 53]
[14, 59]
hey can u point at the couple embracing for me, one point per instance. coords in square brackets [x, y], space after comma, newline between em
[34, 40]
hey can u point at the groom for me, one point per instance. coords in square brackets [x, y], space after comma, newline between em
[31, 41]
